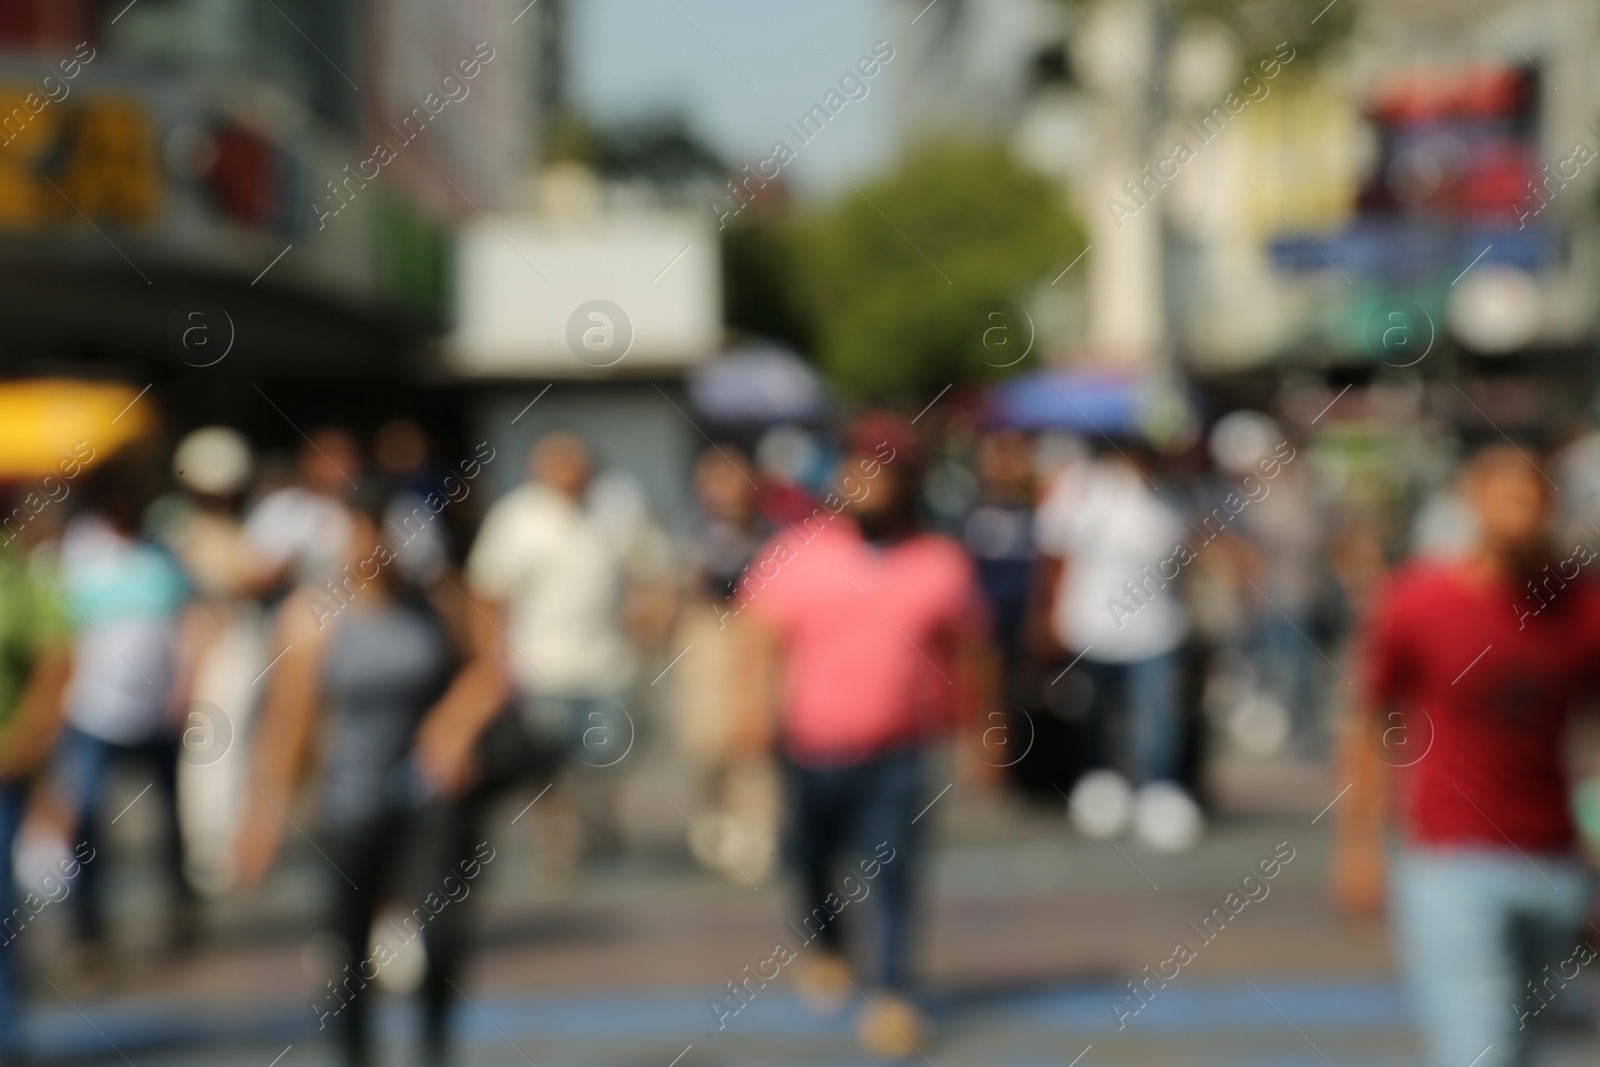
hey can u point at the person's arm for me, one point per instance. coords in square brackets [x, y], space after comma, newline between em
[985, 753]
[449, 732]
[1039, 633]
[756, 696]
[283, 728]
[1360, 819]
[1361, 816]
[26, 739]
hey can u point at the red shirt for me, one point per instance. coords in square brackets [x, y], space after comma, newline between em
[868, 636]
[1477, 698]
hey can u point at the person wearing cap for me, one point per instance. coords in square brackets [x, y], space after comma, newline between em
[35, 663]
[868, 645]
[222, 641]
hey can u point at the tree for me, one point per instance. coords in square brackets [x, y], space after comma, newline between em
[900, 275]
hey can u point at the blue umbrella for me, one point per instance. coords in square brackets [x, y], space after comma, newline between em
[760, 383]
[1089, 401]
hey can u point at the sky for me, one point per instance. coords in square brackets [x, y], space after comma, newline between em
[737, 70]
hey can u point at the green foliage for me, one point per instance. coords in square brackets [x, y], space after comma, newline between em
[901, 275]
[661, 148]
[760, 291]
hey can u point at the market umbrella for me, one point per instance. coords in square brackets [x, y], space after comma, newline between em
[46, 423]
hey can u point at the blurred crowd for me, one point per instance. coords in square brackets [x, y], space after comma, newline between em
[364, 639]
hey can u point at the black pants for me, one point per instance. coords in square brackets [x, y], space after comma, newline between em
[428, 862]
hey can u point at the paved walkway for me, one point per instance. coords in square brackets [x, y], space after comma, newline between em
[1030, 935]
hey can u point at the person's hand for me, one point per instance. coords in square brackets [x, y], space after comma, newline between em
[21, 751]
[750, 738]
[254, 851]
[1357, 876]
[444, 755]
[1042, 643]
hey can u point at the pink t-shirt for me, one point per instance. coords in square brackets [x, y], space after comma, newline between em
[868, 637]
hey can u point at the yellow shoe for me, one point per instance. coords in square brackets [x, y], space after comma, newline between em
[890, 1027]
[823, 982]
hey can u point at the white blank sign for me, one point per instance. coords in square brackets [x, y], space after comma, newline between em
[576, 299]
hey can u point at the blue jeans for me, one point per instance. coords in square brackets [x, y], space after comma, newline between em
[13, 804]
[1148, 689]
[1474, 926]
[840, 818]
[1287, 664]
[592, 730]
[86, 763]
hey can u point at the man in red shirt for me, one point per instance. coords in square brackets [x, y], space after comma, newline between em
[1469, 682]
[871, 638]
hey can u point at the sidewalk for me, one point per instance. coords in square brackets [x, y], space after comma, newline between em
[1032, 934]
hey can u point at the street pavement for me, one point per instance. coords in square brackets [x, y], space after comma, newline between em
[1030, 935]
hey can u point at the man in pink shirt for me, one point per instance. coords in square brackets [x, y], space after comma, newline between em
[872, 646]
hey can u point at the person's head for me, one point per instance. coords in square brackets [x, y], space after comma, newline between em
[368, 551]
[561, 462]
[123, 487]
[1511, 501]
[881, 474]
[723, 484]
[400, 447]
[329, 461]
[1005, 464]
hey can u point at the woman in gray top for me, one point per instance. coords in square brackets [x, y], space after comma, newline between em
[390, 685]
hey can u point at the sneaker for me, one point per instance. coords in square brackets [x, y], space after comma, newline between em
[1101, 804]
[890, 1027]
[1166, 818]
[822, 981]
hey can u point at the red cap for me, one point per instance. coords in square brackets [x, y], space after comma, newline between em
[883, 434]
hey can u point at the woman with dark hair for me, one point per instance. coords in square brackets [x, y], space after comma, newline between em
[125, 598]
[409, 677]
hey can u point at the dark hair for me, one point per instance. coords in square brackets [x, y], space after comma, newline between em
[122, 487]
[371, 502]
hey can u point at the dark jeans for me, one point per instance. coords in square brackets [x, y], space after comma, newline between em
[13, 804]
[419, 859]
[858, 815]
[1148, 693]
[87, 763]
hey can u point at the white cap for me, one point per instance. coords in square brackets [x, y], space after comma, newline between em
[215, 460]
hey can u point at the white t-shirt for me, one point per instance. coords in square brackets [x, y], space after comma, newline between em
[561, 577]
[1108, 524]
[295, 525]
[125, 597]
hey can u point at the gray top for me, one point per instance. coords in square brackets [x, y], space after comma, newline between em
[386, 666]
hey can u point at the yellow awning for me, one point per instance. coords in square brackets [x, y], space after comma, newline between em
[48, 425]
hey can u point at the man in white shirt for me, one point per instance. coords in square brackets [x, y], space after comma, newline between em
[1104, 533]
[550, 555]
[300, 531]
[543, 554]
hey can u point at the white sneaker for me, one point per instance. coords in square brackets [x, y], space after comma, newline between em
[1101, 804]
[1167, 819]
